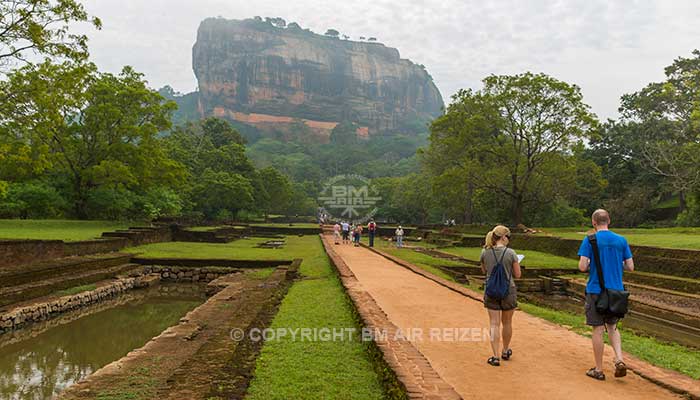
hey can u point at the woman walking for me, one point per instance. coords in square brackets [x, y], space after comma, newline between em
[358, 234]
[501, 266]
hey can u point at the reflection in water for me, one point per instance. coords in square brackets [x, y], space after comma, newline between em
[42, 366]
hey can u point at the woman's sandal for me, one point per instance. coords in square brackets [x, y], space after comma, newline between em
[507, 354]
[595, 374]
[494, 361]
[620, 369]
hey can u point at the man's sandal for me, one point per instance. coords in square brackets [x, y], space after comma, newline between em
[620, 369]
[494, 361]
[507, 354]
[595, 374]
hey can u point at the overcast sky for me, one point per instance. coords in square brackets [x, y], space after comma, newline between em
[607, 47]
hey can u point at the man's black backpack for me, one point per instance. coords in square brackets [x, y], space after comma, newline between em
[610, 302]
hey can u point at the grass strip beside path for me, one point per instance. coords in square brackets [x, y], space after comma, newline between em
[335, 369]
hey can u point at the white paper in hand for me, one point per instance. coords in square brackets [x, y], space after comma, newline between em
[520, 258]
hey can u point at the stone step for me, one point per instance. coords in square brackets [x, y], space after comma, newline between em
[687, 285]
[18, 275]
[44, 287]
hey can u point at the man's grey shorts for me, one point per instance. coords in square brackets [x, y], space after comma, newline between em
[508, 303]
[593, 317]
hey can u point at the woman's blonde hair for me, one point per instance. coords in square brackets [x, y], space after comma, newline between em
[494, 235]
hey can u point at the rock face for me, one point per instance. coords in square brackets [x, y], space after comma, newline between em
[276, 78]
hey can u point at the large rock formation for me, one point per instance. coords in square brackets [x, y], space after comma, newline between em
[276, 78]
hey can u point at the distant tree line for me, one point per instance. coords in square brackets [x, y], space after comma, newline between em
[526, 149]
[281, 23]
[77, 142]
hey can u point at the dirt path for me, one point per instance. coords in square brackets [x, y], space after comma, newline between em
[548, 362]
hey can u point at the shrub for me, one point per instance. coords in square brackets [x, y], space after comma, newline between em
[111, 203]
[32, 200]
[691, 215]
[630, 209]
[559, 214]
[160, 202]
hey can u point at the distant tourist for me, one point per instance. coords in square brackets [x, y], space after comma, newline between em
[399, 236]
[345, 227]
[614, 255]
[501, 266]
[358, 234]
[371, 231]
[336, 233]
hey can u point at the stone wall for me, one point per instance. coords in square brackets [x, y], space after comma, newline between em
[24, 252]
[19, 316]
[95, 246]
[211, 262]
[20, 252]
[190, 274]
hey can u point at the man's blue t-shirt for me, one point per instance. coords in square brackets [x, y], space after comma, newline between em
[613, 250]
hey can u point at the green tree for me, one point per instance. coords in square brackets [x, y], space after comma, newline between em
[97, 128]
[332, 33]
[278, 192]
[666, 116]
[453, 157]
[215, 191]
[515, 138]
[42, 27]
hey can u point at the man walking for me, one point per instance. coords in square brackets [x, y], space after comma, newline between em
[346, 232]
[615, 256]
[371, 231]
[399, 236]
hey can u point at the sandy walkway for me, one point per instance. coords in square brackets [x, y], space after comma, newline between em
[549, 362]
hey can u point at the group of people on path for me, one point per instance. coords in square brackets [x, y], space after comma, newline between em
[603, 254]
[352, 233]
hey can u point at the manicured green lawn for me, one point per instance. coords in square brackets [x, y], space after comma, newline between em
[425, 261]
[339, 369]
[287, 225]
[533, 259]
[238, 249]
[57, 229]
[293, 369]
[676, 238]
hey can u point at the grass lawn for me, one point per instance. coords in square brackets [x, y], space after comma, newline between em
[676, 238]
[211, 228]
[425, 261]
[75, 290]
[672, 356]
[57, 229]
[533, 259]
[287, 225]
[288, 369]
[238, 249]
